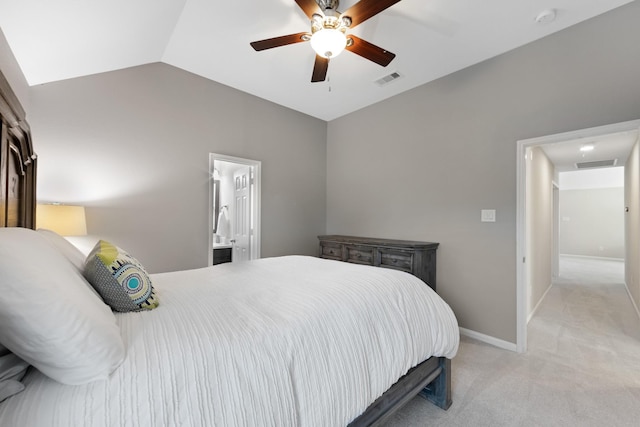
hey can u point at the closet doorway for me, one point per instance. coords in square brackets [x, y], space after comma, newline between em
[234, 209]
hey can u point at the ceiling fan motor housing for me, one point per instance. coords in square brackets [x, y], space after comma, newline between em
[331, 18]
[328, 4]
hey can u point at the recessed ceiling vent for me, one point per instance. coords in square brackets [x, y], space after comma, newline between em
[597, 164]
[388, 79]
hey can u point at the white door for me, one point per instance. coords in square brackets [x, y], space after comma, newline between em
[242, 214]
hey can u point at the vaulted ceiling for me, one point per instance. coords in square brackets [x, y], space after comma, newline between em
[62, 39]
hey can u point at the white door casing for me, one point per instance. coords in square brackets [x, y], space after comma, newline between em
[254, 251]
[521, 238]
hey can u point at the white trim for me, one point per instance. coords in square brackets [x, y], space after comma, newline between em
[555, 238]
[535, 309]
[256, 206]
[496, 342]
[521, 291]
[602, 258]
[631, 298]
[210, 245]
[631, 125]
[521, 287]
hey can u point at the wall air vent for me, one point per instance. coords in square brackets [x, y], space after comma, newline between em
[597, 164]
[388, 79]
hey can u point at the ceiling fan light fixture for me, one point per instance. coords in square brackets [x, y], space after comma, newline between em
[328, 42]
[328, 36]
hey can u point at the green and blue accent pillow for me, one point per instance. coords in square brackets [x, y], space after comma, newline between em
[119, 278]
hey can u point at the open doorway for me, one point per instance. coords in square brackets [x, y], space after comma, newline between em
[537, 232]
[234, 209]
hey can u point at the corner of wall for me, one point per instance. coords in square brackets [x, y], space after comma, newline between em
[12, 72]
[496, 342]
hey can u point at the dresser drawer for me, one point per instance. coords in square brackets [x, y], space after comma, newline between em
[330, 250]
[359, 254]
[417, 258]
[396, 259]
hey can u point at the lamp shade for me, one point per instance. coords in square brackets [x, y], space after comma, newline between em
[328, 42]
[64, 220]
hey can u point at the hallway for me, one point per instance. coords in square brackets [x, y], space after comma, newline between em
[587, 321]
[581, 368]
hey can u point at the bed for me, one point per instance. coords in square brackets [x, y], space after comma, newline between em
[283, 341]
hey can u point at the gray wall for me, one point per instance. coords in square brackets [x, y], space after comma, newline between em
[133, 146]
[539, 226]
[592, 222]
[423, 164]
[13, 74]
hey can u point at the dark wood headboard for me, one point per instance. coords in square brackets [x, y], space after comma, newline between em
[17, 163]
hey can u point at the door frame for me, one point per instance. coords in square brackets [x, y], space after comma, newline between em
[555, 261]
[256, 166]
[522, 145]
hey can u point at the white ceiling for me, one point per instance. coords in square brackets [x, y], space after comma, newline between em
[564, 155]
[56, 40]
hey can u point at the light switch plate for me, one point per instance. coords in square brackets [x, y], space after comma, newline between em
[488, 215]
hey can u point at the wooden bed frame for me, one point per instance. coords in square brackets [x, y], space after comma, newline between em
[431, 378]
[17, 163]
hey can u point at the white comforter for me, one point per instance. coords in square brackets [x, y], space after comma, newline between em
[288, 341]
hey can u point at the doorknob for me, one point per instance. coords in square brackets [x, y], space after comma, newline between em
[232, 241]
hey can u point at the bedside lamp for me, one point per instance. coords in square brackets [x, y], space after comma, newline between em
[63, 219]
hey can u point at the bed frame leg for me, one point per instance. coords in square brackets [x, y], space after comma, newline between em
[438, 391]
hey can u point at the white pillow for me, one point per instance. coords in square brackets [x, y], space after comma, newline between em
[67, 249]
[49, 317]
[73, 254]
[12, 369]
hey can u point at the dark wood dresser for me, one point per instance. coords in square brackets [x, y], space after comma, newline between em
[417, 258]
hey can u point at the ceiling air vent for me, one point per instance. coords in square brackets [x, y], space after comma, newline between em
[597, 164]
[388, 79]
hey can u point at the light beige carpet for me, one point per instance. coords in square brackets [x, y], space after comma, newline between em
[582, 367]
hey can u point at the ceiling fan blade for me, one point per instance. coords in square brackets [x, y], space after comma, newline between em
[370, 51]
[309, 7]
[320, 69]
[366, 9]
[278, 41]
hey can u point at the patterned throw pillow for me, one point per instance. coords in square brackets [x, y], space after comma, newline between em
[119, 278]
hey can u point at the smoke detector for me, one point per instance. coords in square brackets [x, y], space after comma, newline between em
[546, 16]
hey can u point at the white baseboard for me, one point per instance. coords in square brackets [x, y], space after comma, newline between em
[631, 298]
[533, 312]
[497, 342]
[603, 258]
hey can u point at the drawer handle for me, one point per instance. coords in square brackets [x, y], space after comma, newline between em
[357, 255]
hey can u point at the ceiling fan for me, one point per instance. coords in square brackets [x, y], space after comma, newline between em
[329, 36]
